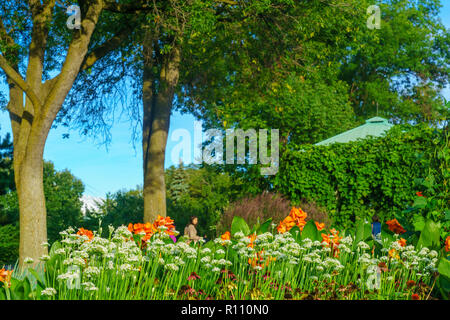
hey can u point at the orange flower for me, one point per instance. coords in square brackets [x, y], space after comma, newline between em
[395, 226]
[252, 239]
[331, 240]
[85, 232]
[393, 254]
[320, 226]
[281, 228]
[258, 260]
[164, 221]
[226, 236]
[295, 218]
[415, 296]
[5, 276]
[298, 213]
[151, 228]
[447, 244]
[402, 242]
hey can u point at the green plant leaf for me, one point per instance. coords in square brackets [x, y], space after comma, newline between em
[430, 235]
[265, 227]
[363, 231]
[296, 233]
[420, 202]
[444, 267]
[418, 222]
[310, 231]
[239, 224]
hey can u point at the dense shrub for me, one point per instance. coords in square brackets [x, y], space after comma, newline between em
[315, 212]
[254, 209]
[375, 175]
[9, 244]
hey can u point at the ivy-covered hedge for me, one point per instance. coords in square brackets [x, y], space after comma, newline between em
[9, 244]
[374, 175]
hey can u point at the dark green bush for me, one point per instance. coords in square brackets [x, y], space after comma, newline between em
[358, 179]
[9, 244]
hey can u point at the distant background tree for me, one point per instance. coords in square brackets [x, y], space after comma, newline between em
[6, 165]
[330, 74]
[206, 194]
[62, 194]
[119, 208]
[40, 59]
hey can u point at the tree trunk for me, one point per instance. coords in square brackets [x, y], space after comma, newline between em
[31, 122]
[157, 105]
[33, 215]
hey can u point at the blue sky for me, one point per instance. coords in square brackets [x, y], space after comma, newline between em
[119, 167]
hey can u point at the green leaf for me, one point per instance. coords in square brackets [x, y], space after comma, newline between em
[420, 202]
[430, 235]
[444, 267]
[265, 227]
[17, 289]
[363, 231]
[444, 286]
[418, 222]
[310, 231]
[444, 277]
[296, 233]
[239, 224]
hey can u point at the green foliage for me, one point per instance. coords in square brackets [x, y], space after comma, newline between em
[310, 231]
[6, 167]
[120, 208]
[361, 178]
[9, 244]
[62, 198]
[444, 277]
[191, 191]
[62, 195]
[207, 194]
[239, 225]
[363, 231]
[430, 235]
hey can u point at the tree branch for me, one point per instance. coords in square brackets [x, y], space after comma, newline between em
[139, 5]
[17, 78]
[4, 35]
[106, 47]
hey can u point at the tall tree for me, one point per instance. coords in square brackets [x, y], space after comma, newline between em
[331, 72]
[35, 41]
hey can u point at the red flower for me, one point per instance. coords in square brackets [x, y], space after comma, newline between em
[193, 276]
[410, 283]
[419, 194]
[415, 296]
[395, 226]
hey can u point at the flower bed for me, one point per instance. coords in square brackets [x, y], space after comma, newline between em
[294, 260]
